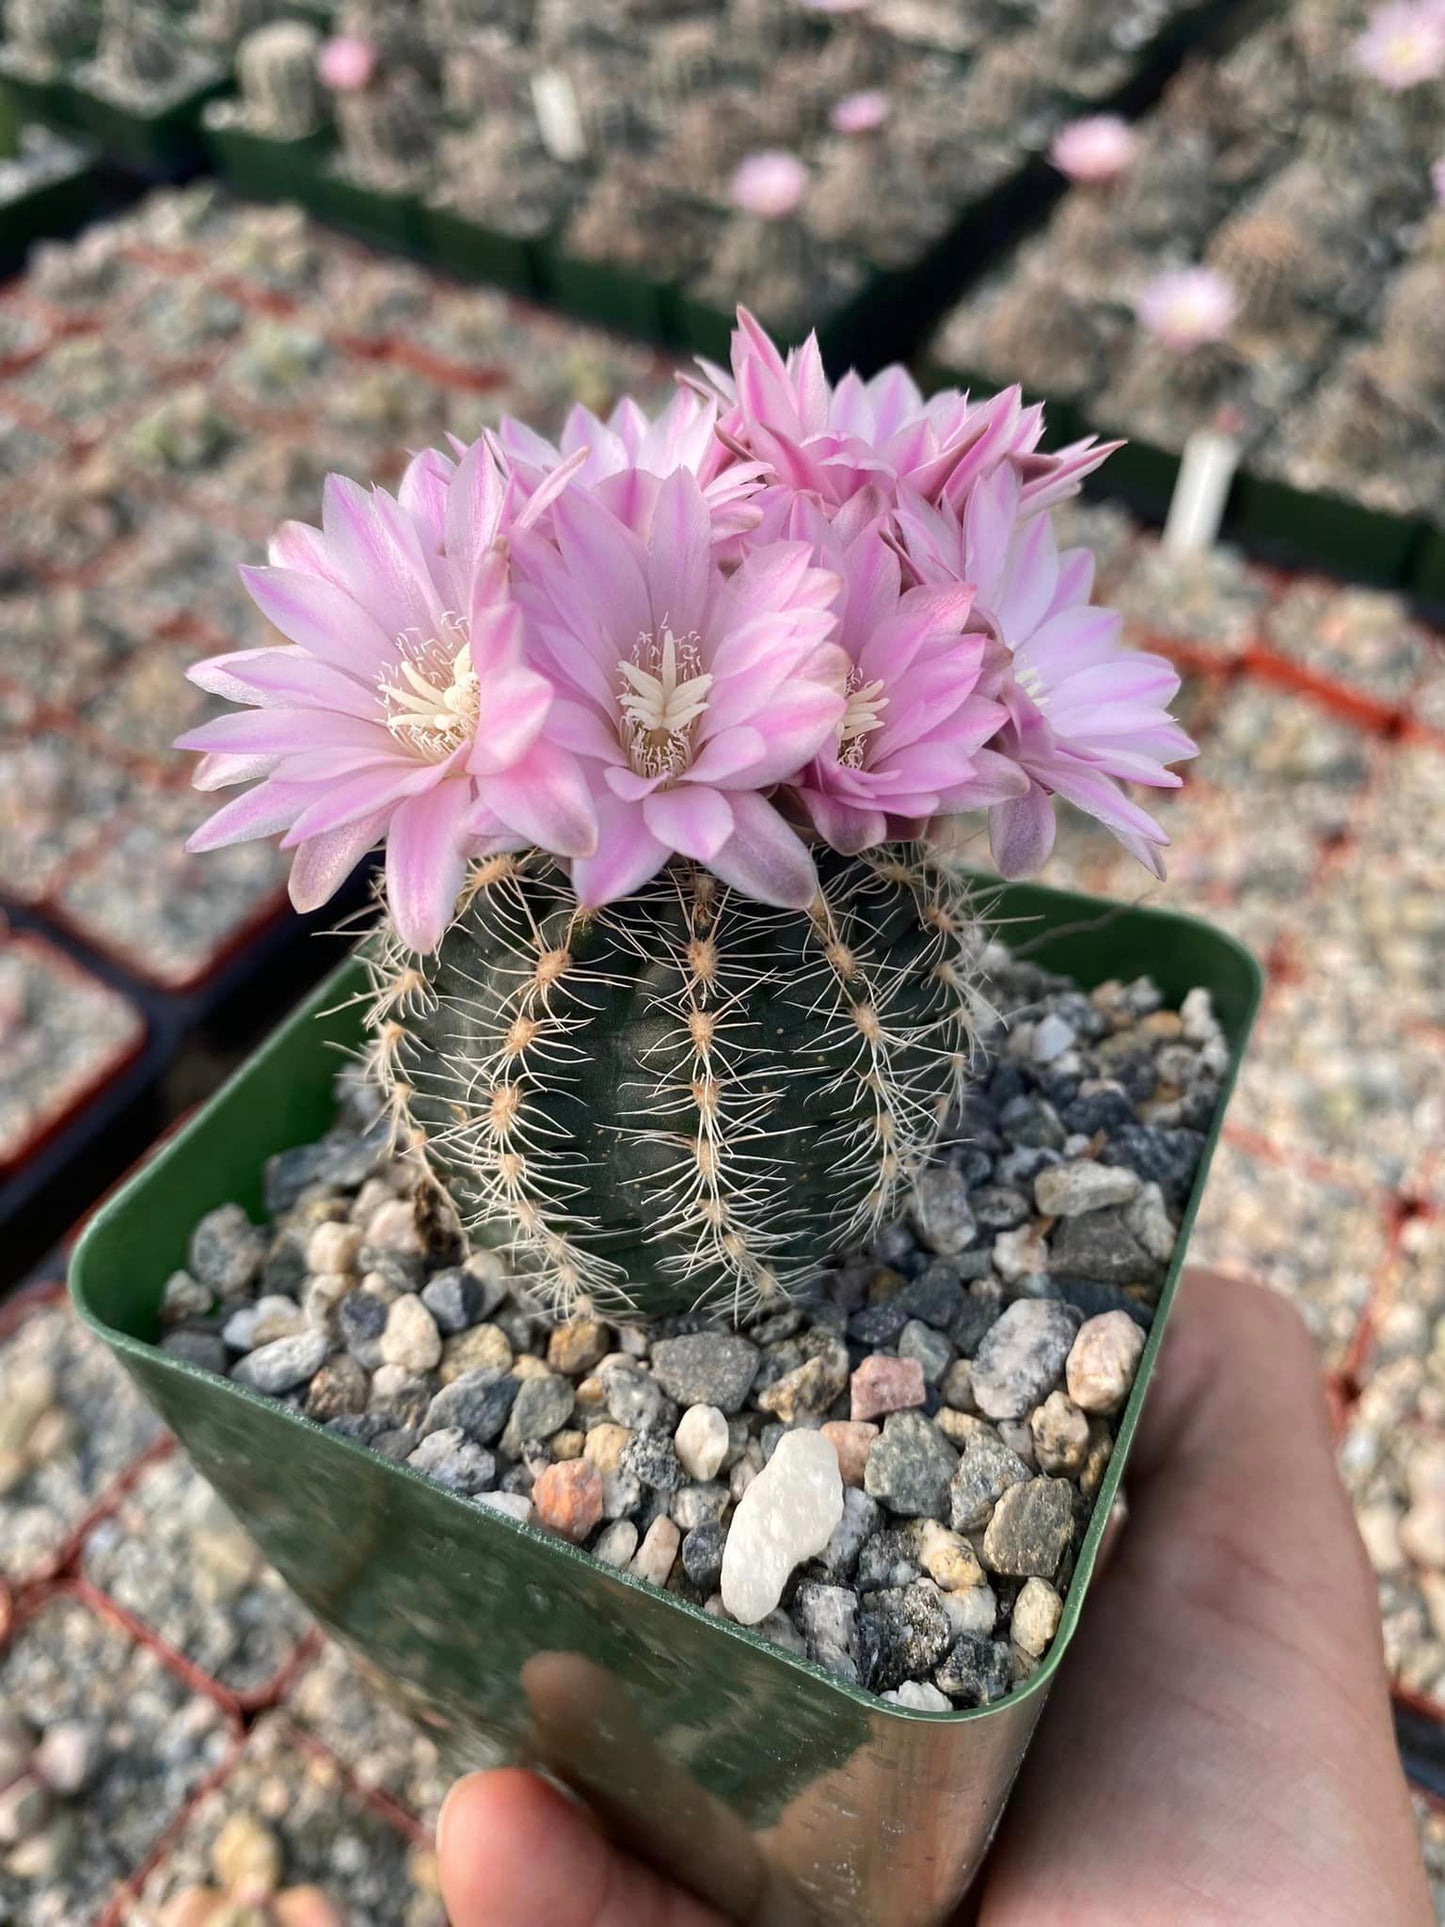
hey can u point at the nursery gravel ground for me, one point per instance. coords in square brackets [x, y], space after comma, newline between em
[1316, 830]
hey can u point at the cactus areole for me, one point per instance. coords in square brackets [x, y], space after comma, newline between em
[689, 1098]
[672, 992]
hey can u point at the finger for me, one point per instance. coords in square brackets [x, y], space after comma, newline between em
[1219, 1747]
[514, 1852]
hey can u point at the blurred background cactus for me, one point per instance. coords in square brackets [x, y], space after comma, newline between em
[281, 95]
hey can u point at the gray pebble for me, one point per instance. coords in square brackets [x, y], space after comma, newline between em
[227, 1250]
[702, 1556]
[1030, 1529]
[204, 1349]
[941, 1211]
[931, 1349]
[455, 1300]
[827, 1617]
[1021, 1357]
[479, 1402]
[650, 1459]
[985, 1472]
[977, 1672]
[700, 1504]
[903, 1633]
[1101, 1246]
[451, 1459]
[1070, 1190]
[910, 1466]
[635, 1399]
[283, 1365]
[399, 1443]
[861, 1519]
[706, 1368]
[542, 1406]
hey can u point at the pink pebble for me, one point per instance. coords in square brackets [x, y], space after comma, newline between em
[883, 1384]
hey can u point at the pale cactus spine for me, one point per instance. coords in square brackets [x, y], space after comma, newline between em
[687, 1100]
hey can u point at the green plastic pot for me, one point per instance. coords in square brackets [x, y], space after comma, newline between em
[602, 291]
[255, 164]
[385, 220]
[1330, 531]
[55, 209]
[699, 1743]
[477, 253]
[164, 144]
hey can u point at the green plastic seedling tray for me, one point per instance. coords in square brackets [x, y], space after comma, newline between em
[165, 144]
[255, 164]
[477, 253]
[699, 1743]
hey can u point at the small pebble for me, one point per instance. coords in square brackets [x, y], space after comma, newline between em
[283, 1365]
[616, 1544]
[568, 1499]
[786, 1516]
[1030, 1529]
[881, 1385]
[852, 1441]
[1021, 1356]
[1036, 1615]
[1103, 1360]
[411, 1339]
[1060, 1434]
[1069, 1190]
[701, 1441]
[656, 1556]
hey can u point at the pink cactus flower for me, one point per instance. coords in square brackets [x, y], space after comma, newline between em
[684, 435]
[405, 680]
[346, 63]
[1403, 45]
[1097, 148]
[861, 113]
[684, 691]
[910, 744]
[1085, 714]
[1186, 308]
[832, 441]
[770, 184]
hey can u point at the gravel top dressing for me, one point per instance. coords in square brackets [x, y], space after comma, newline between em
[891, 1479]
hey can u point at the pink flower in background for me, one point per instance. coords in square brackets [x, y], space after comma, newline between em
[860, 113]
[909, 745]
[833, 441]
[1185, 308]
[1096, 148]
[1403, 45]
[1085, 713]
[684, 435]
[404, 680]
[683, 691]
[346, 63]
[770, 184]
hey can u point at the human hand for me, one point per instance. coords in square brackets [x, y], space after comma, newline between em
[1218, 1749]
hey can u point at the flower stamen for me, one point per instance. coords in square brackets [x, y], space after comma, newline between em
[864, 714]
[662, 693]
[434, 705]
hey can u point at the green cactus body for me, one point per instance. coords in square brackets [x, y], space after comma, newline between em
[689, 1098]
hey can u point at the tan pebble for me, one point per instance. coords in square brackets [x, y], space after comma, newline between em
[411, 1338]
[1103, 1360]
[305, 1907]
[246, 1859]
[567, 1445]
[1422, 1533]
[1060, 1434]
[567, 1498]
[701, 1442]
[654, 1557]
[393, 1227]
[194, 1907]
[51, 1434]
[959, 1427]
[424, 1871]
[852, 1440]
[948, 1558]
[528, 1367]
[368, 1201]
[483, 1348]
[1101, 1449]
[1036, 1615]
[1162, 1023]
[14, 1466]
[957, 1386]
[591, 1394]
[575, 1348]
[605, 1445]
[333, 1247]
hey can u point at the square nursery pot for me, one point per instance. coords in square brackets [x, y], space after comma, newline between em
[255, 164]
[165, 144]
[697, 1740]
[601, 291]
[28, 97]
[1327, 531]
[386, 220]
[475, 252]
[52, 210]
[1427, 570]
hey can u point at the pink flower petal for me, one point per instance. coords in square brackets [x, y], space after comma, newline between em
[694, 821]
[545, 798]
[1021, 834]
[323, 865]
[764, 858]
[425, 863]
[627, 855]
[322, 618]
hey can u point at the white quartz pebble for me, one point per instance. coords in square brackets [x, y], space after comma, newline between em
[786, 1515]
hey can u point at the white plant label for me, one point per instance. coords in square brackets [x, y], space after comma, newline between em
[558, 116]
[1196, 509]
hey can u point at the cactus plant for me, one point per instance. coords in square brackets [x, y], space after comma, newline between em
[688, 1097]
[276, 66]
[671, 997]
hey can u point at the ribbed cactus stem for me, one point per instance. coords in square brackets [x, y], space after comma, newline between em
[689, 1099]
